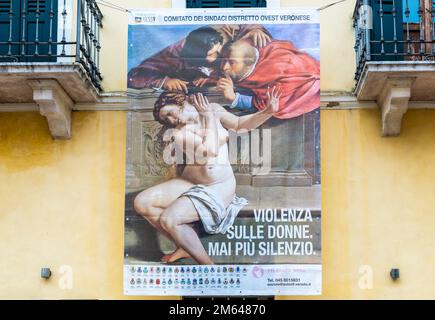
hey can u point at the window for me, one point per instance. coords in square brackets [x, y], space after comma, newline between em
[402, 29]
[28, 30]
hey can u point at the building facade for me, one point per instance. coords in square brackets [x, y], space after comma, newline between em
[64, 137]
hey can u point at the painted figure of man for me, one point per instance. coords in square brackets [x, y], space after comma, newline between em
[193, 60]
[279, 63]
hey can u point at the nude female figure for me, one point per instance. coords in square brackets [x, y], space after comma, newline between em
[201, 129]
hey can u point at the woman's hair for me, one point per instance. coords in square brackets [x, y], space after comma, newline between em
[198, 43]
[168, 97]
[175, 98]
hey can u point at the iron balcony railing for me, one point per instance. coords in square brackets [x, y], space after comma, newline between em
[393, 30]
[43, 31]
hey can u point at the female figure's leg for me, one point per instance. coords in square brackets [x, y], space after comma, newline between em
[176, 219]
[152, 202]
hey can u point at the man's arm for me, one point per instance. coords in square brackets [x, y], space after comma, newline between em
[237, 100]
[154, 71]
[250, 121]
[242, 102]
[256, 33]
[243, 123]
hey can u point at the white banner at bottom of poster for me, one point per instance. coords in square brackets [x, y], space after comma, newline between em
[215, 280]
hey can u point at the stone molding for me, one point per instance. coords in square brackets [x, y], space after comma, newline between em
[119, 101]
[393, 102]
[54, 104]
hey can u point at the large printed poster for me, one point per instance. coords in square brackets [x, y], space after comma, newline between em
[223, 153]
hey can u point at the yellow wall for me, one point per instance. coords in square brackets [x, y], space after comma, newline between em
[337, 40]
[62, 204]
[114, 42]
[377, 205]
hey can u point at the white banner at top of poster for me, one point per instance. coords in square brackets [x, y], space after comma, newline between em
[223, 16]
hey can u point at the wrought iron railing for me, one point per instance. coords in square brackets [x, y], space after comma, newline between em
[43, 31]
[393, 30]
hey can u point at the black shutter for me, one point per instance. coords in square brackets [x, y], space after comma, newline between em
[39, 28]
[246, 3]
[205, 3]
[225, 3]
[388, 29]
[26, 16]
[5, 31]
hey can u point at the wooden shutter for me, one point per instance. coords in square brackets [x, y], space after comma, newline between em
[5, 7]
[225, 3]
[28, 31]
[388, 29]
[204, 3]
[246, 3]
[38, 28]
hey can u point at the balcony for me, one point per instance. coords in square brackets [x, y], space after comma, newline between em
[395, 56]
[47, 59]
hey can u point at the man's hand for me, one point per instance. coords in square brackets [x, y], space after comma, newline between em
[272, 103]
[258, 37]
[230, 30]
[172, 84]
[226, 86]
[200, 82]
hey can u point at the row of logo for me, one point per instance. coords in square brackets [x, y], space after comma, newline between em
[187, 281]
[198, 269]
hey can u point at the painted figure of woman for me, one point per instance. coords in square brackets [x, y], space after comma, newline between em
[206, 188]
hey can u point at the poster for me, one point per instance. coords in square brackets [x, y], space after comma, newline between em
[223, 153]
